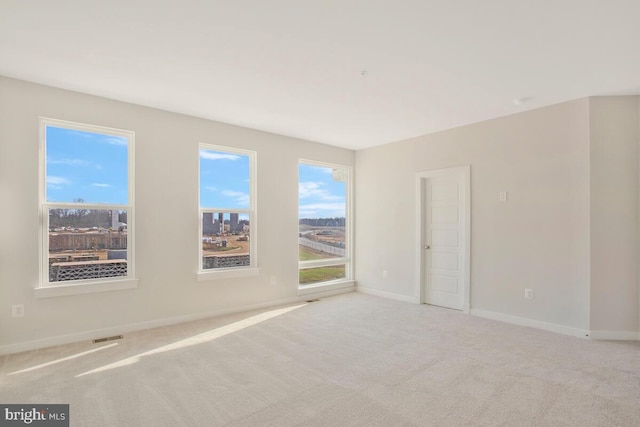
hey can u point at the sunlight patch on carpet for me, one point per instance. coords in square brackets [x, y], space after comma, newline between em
[197, 339]
[63, 359]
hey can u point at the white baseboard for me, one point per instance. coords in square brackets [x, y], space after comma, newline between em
[390, 295]
[523, 321]
[122, 329]
[615, 335]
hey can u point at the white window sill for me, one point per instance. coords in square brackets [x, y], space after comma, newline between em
[59, 290]
[230, 273]
[325, 286]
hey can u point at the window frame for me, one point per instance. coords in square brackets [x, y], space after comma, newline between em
[240, 271]
[44, 287]
[347, 260]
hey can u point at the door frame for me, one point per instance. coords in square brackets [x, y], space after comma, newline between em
[421, 204]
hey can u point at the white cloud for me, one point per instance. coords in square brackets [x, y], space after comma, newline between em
[240, 197]
[68, 162]
[307, 213]
[315, 189]
[79, 133]
[116, 140]
[214, 155]
[96, 184]
[57, 182]
[335, 207]
[109, 139]
[322, 210]
[210, 188]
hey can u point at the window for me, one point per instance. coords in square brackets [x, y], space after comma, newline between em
[227, 209]
[86, 203]
[323, 223]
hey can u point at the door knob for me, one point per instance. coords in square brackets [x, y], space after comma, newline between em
[427, 247]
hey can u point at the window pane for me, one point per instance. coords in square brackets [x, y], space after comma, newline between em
[87, 244]
[86, 167]
[225, 240]
[224, 180]
[309, 276]
[322, 212]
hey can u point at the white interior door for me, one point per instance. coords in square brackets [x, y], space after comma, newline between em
[444, 229]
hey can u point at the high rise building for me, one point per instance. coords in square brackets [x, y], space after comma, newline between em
[233, 223]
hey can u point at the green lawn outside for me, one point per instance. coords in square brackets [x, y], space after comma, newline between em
[321, 274]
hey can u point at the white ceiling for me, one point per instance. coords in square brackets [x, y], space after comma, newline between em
[294, 67]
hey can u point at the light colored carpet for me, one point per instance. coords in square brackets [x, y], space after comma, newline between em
[349, 360]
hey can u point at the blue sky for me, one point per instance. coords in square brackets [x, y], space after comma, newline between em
[319, 194]
[224, 180]
[93, 167]
[224, 183]
[86, 165]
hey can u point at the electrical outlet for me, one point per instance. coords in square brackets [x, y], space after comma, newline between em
[274, 280]
[528, 293]
[385, 274]
[503, 196]
[17, 310]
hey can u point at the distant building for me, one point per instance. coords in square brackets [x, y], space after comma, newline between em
[116, 224]
[209, 225]
[115, 219]
[233, 223]
[216, 224]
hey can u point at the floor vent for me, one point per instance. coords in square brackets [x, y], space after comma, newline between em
[113, 338]
[313, 300]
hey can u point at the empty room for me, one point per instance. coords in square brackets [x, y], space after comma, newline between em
[285, 213]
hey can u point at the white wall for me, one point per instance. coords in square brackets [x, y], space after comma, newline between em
[166, 210]
[538, 239]
[615, 136]
[552, 235]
